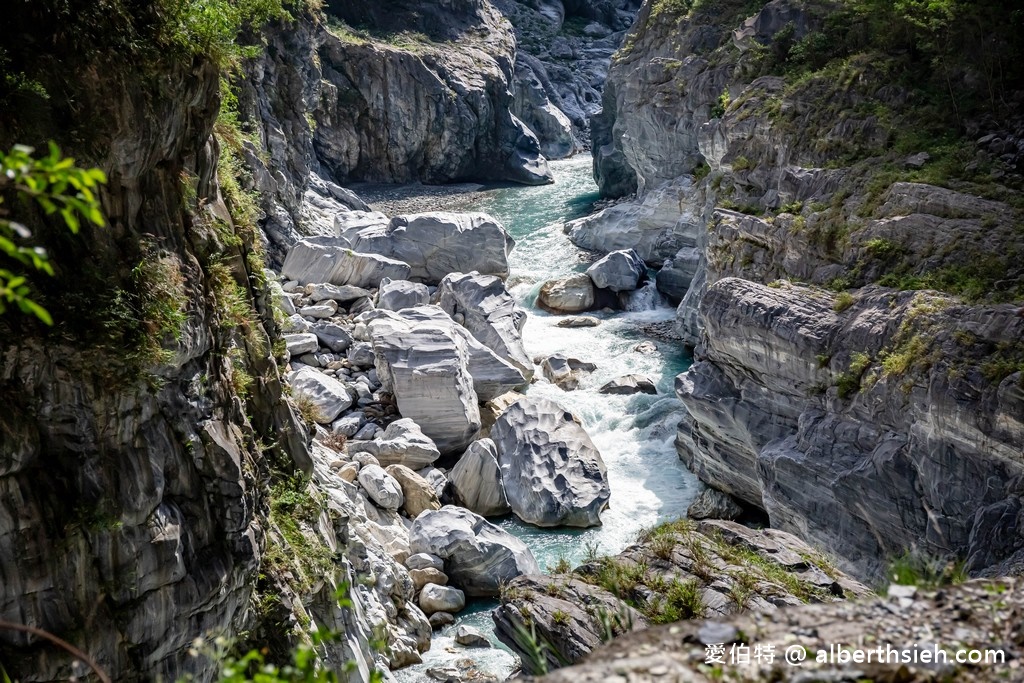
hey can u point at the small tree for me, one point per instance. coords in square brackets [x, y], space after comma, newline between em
[58, 187]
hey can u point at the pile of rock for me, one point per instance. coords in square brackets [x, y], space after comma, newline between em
[608, 281]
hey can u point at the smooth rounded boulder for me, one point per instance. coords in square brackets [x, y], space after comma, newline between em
[434, 598]
[572, 294]
[629, 384]
[552, 472]
[619, 271]
[478, 556]
[381, 487]
[394, 295]
[403, 443]
[328, 395]
[417, 493]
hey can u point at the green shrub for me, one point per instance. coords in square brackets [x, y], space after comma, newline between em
[848, 383]
[843, 301]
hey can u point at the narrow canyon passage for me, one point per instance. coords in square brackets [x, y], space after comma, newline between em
[635, 434]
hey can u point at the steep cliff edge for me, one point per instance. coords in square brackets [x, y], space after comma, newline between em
[156, 485]
[840, 217]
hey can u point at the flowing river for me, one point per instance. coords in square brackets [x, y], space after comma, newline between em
[634, 434]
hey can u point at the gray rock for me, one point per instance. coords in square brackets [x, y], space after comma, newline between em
[490, 314]
[565, 372]
[366, 432]
[436, 244]
[361, 355]
[425, 365]
[349, 424]
[328, 260]
[438, 620]
[319, 311]
[476, 480]
[346, 221]
[381, 487]
[578, 321]
[571, 294]
[334, 337]
[424, 561]
[619, 271]
[345, 293]
[552, 473]
[303, 342]
[478, 556]
[403, 443]
[394, 295]
[629, 384]
[434, 598]
[296, 324]
[470, 637]
[712, 504]
[329, 395]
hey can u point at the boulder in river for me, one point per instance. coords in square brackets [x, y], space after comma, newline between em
[478, 556]
[571, 294]
[476, 480]
[565, 372]
[619, 271]
[326, 260]
[579, 321]
[552, 472]
[629, 384]
[434, 598]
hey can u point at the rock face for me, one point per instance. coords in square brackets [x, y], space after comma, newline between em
[476, 480]
[385, 114]
[712, 504]
[490, 314]
[478, 556]
[324, 260]
[968, 615]
[740, 190]
[678, 571]
[553, 474]
[571, 294]
[438, 243]
[619, 271]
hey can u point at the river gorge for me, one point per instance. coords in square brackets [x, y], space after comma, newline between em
[477, 340]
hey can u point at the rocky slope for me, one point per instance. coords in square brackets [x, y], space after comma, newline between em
[798, 207]
[909, 627]
[678, 571]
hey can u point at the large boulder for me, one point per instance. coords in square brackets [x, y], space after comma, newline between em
[438, 243]
[571, 294]
[381, 487]
[403, 443]
[490, 314]
[334, 337]
[426, 367]
[619, 271]
[552, 472]
[417, 493]
[476, 480]
[435, 598]
[478, 556]
[394, 295]
[329, 395]
[420, 352]
[330, 260]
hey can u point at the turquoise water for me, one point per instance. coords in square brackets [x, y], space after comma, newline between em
[634, 434]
